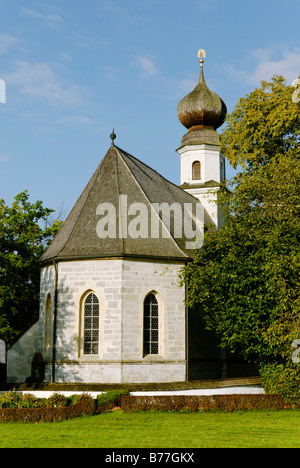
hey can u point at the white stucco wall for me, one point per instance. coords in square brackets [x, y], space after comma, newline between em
[121, 287]
[212, 169]
[20, 355]
[209, 157]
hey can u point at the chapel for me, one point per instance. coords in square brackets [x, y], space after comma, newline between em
[112, 306]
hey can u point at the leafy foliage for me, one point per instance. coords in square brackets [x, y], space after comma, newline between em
[283, 378]
[26, 230]
[27, 400]
[264, 124]
[246, 277]
[110, 398]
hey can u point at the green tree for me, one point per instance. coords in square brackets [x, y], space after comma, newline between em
[25, 231]
[245, 279]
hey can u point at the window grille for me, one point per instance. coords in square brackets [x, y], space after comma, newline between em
[151, 333]
[196, 170]
[91, 325]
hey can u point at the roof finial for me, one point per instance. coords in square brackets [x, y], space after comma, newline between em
[113, 136]
[201, 55]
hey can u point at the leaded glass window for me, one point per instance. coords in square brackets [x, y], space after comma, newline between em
[151, 334]
[91, 325]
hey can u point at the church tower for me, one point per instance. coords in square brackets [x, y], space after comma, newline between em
[202, 164]
[112, 306]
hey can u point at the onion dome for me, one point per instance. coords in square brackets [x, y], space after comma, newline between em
[201, 112]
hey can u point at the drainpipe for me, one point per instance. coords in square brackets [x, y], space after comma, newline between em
[54, 321]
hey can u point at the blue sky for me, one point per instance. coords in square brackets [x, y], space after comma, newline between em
[76, 69]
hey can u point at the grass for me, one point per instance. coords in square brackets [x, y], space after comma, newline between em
[252, 429]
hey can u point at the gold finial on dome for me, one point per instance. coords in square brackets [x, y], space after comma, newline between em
[201, 55]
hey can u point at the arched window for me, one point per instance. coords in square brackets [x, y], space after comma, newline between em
[196, 170]
[91, 325]
[151, 334]
[48, 326]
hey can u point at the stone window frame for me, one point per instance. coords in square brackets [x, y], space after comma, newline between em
[83, 299]
[160, 325]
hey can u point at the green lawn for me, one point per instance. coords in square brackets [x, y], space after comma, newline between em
[170, 430]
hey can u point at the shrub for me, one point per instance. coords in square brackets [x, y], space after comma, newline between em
[283, 379]
[57, 399]
[76, 398]
[193, 403]
[30, 401]
[108, 400]
[9, 400]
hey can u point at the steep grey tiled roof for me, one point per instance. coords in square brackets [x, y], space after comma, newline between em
[119, 173]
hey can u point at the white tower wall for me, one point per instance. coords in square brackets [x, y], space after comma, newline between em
[212, 174]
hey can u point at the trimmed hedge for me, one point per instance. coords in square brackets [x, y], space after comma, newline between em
[194, 403]
[27, 408]
[84, 404]
[48, 414]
